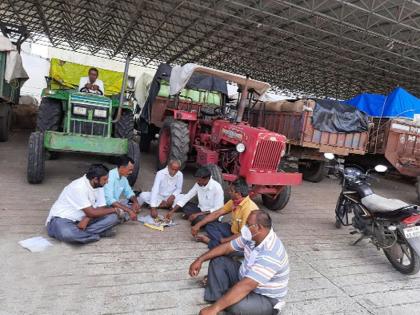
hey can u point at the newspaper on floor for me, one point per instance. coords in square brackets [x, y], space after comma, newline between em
[35, 244]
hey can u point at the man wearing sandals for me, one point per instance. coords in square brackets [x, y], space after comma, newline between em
[240, 206]
[258, 285]
[80, 214]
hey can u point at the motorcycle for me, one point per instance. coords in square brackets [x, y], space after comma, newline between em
[391, 224]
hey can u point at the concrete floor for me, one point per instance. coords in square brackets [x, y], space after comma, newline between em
[141, 271]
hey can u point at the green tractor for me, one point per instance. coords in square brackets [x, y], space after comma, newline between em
[71, 121]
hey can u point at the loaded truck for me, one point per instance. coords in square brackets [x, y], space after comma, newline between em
[189, 114]
[12, 76]
[306, 145]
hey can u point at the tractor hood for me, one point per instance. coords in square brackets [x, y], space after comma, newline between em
[181, 75]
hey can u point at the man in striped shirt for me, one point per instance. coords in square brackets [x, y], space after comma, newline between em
[259, 284]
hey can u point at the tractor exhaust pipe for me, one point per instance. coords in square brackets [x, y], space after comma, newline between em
[243, 101]
[124, 84]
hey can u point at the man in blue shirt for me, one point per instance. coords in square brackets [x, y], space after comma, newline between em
[118, 186]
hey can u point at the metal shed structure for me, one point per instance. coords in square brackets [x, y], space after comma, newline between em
[323, 48]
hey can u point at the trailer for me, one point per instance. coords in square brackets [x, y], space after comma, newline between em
[305, 143]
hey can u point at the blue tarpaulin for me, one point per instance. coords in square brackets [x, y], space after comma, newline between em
[399, 103]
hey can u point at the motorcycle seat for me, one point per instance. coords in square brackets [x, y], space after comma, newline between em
[376, 203]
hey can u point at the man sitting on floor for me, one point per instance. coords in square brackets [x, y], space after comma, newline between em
[240, 206]
[118, 186]
[210, 197]
[79, 215]
[258, 286]
[166, 190]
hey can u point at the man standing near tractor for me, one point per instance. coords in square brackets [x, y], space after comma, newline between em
[210, 197]
[91, 83]
[80, 214]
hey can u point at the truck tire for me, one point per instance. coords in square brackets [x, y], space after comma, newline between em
[134, 153]
[124, 128]
[216, 174]
[36, 158]
[5, 121]
[313, 171]
[174, 143]
[50, 114]
[278, 203]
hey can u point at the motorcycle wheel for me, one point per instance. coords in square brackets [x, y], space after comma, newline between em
[403, 257]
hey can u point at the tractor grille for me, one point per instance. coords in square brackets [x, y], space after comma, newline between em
[89, 124]
[267, 156]
[89, 128]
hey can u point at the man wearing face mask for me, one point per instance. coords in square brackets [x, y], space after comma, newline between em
[80, 214]
[258, 286]
[240, 206]
[210, 197]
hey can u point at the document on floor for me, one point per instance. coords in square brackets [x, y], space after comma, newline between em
[158, 223]
[35, 244]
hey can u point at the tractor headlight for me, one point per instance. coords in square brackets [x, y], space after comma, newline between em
[80, 110]
[101, 113]
[240, 147]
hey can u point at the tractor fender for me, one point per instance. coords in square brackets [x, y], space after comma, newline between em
[178, 114]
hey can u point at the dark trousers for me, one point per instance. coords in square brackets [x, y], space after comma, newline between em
[216, 231]
[222, 275]
[67, 231]
[191, 208]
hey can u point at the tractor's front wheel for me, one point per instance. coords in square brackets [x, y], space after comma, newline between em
[36, 158]
[174, 143]
[279, 202]
[134, 153]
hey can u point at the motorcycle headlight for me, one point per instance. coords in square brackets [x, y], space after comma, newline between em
[240, 147]
[80, 110]
[101, 113]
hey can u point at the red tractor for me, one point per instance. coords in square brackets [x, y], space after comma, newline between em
[216, 136]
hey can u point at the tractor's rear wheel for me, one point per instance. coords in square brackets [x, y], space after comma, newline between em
[313, 171]
[50, 114]
[124, 128]
[5, 121]
[36, 158]
[279, 202]
[134, 153]
[174, 143]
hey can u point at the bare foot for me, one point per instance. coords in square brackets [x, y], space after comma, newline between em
[202, 238]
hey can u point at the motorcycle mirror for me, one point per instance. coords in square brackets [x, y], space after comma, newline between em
[381, 168]
[329, 156]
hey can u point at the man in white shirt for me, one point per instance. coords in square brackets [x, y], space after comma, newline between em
[79, 215]
[91, 84]
[210, 197]
[166, 190]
